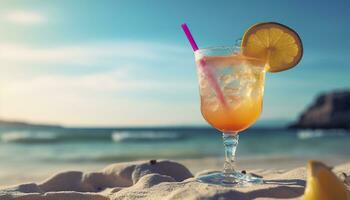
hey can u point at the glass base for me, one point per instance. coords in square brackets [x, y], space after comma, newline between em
[235, 179]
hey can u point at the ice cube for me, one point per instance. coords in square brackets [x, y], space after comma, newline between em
[211, 103]
[248, 90]
[203, 83]
[205, 90]
[245, 73]
[227, 78]
[214, 106]
[233, 101]
[257, 92]
[229, 90]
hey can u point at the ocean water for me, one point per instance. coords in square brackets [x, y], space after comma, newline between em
[74, 145]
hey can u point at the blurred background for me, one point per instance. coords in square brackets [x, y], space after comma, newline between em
[88, 83]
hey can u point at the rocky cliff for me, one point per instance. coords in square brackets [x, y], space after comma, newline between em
[329, 110]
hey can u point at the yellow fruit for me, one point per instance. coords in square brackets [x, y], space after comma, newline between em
[277, 46]
[323, 184]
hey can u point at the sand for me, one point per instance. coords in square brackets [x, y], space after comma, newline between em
[161, 180]
[22, 173]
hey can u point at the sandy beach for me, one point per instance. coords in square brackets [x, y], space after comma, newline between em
[11, 176]
[164, 180]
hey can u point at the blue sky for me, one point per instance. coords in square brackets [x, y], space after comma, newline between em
[121, 63]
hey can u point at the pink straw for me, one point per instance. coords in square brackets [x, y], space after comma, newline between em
[189, 36]
[211, 78]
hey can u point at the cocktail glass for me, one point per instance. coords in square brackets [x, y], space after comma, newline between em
[241, 81]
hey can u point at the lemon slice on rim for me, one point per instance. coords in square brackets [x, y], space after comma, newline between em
[277, 45]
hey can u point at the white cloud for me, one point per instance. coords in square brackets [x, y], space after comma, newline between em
[24, 17]
[111, 82]
[87, 54]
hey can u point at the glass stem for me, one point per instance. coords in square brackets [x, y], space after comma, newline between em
[230, 143]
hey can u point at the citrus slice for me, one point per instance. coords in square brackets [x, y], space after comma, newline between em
[277, 45]
[323, 184]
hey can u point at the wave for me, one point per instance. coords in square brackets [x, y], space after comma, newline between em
[41, 137]
[28, 137]
[145, 136]
[308, 134]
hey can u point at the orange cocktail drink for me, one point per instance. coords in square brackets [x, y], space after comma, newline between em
[242, 83]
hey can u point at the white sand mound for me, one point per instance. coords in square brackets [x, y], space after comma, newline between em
[157, 180]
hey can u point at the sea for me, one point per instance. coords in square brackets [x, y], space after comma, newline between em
[25, 150]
